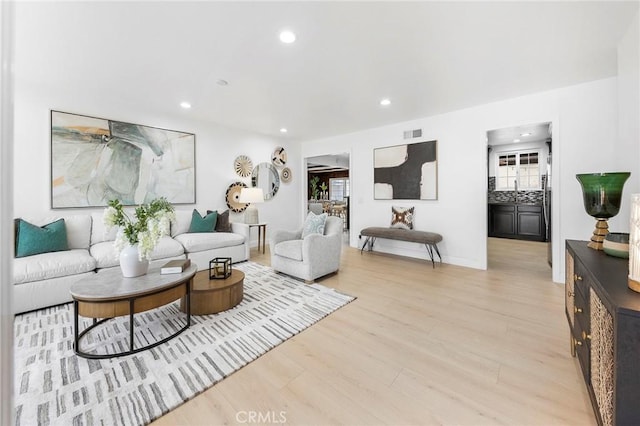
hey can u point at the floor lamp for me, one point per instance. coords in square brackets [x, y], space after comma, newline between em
[251, 196]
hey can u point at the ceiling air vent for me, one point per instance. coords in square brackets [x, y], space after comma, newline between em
[410, 134]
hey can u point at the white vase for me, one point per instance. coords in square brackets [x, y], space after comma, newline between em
[131, 264]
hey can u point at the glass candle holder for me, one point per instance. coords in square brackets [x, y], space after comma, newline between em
[602, 195]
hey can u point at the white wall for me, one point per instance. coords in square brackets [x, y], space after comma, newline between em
[6, 214]
[584, 128]
[216, 149]
[588, 125]
[629, 109]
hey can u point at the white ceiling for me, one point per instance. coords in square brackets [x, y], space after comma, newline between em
[328, 163]
[537, 132]
[427, 57]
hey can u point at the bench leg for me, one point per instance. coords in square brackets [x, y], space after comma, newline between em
[430, 251]
[368, 242]
[364, 244]
[435, 246]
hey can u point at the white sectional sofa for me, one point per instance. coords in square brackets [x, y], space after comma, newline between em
[202, 247]
[105, 253]
[44, 280]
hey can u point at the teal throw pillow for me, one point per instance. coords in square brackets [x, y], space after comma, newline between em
[314, 224]
[203, 224]
[32, 239]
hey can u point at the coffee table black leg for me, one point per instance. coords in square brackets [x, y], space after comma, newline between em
[78, 336]
[75, 325]
[131, 302]
[189, 303]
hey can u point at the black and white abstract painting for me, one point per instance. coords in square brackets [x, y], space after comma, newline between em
[94, 160]
[406, 172]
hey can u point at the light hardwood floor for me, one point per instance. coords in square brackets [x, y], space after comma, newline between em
[420, 346]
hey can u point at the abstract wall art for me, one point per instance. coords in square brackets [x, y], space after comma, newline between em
[94, 160]
[406, 172]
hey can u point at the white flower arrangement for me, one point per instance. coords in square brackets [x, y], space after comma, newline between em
[152, 221]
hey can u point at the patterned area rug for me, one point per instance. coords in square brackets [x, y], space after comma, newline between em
[53, 386]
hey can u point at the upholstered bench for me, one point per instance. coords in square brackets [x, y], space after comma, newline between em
[429, 239]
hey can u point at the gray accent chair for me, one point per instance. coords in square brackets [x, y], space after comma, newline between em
[309, 258]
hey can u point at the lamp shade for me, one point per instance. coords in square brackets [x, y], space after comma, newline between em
[251, 195]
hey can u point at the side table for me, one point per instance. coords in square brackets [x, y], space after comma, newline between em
[262, 234]
[213, 296]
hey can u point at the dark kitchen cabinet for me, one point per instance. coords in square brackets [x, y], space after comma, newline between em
[518, 221]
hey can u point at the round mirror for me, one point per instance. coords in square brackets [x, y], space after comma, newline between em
[266, 176]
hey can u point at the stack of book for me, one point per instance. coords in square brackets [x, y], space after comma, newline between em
[175, 266]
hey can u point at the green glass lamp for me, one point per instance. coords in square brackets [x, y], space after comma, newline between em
[602, 194]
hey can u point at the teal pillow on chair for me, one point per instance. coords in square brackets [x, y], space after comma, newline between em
[32, 239]
[203, 224]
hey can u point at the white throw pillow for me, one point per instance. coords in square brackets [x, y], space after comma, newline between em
[314, 224]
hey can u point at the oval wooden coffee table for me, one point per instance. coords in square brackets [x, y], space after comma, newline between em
[108, 294]
[213, 296]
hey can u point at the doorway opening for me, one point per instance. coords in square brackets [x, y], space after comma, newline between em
[329, 189]
[519, 186]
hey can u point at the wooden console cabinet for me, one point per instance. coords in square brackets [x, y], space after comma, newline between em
[604, 320]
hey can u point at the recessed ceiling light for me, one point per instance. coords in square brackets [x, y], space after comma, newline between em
[283, 130]
[525, 134]
[385, 102]
[185, 105]
[222, 82]
[287, 37]
[516, 140]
